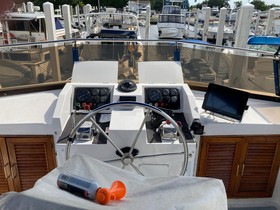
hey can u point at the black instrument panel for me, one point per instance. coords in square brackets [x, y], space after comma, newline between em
[168, 98]
[89, 98]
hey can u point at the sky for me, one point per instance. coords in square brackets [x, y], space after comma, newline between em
[231, 2]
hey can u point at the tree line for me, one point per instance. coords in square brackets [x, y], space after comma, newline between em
[258, 4]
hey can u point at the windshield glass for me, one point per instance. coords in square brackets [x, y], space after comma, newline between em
[45, 63]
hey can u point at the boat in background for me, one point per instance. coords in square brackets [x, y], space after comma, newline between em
[215, 10]
[112, 24]
[21, 27]
[142, 18]
[171, 22]
[277, 22]
[213, 30]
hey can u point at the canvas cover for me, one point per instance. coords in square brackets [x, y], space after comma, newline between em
[175, 192]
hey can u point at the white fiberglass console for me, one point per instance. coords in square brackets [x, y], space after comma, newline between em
[123, 121]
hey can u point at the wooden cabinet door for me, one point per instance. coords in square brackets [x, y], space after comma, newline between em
[259, 166]
[219, 158]
[247, 165]
[6, 183]
[30, 159]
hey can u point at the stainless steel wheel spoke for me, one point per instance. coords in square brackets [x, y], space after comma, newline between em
[139, 132]
[106, 136]
[137, 170]
[127, 158]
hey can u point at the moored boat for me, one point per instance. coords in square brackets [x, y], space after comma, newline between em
[30, 26]
[171, 22]
[112, 24]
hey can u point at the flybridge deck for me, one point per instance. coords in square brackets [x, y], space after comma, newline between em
[162, 84]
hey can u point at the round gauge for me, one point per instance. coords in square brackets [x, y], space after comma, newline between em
[83, 95]
[95, 92]
[165, 92]
[154, 96]
[166, 98]
[103, 99]
[95, 99]
[173, 99]
[104, 91]
[173, 92]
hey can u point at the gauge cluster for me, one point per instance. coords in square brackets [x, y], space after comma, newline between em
[89, 98]
[168, 98]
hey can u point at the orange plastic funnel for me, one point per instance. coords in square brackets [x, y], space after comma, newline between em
[116, 192]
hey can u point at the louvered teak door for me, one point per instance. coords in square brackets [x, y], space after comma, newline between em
[258, 167]
[248, 165]
[30, 159]
[6, 183]
[219, 158]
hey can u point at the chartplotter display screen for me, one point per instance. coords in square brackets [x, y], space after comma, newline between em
[276, 65]
[225, 101]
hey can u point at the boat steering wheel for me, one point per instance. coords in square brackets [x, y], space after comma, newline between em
[128, 155]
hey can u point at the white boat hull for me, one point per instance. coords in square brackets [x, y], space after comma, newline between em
[177, 33]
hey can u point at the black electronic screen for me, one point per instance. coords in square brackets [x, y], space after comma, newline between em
[225, 101]
[276, 65]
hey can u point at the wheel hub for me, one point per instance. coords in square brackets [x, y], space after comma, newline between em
[127, 159]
